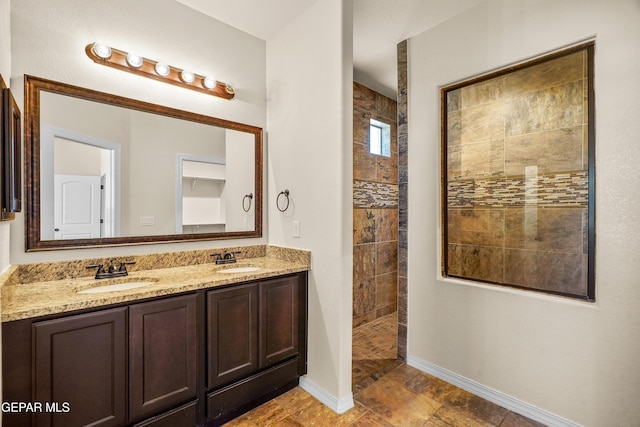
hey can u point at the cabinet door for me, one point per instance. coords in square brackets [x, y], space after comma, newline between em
[279, 320]
[162, 354]
[232, 329]
[80, 369]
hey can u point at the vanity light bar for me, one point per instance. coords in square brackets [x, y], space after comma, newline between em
[157, 70]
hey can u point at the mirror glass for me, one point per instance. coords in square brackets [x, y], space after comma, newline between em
[107, 170]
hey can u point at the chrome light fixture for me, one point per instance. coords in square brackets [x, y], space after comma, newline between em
[157, 70]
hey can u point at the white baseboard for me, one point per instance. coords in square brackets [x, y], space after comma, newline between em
[339, 406]
[491, 395]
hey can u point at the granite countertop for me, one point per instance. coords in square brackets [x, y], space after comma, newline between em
[28, 300]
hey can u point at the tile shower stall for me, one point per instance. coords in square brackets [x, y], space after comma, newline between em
[517, 177]
[375, 210]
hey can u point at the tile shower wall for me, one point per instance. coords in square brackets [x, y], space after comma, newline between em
[517, 191]
[403, 197]
[375, 211]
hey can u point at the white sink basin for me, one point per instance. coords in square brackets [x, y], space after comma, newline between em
[114, 287]
[245, 269]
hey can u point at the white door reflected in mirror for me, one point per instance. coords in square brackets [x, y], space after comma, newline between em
[77, 205]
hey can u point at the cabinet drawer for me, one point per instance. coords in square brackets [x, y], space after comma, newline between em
[233, 400]
[184, 416]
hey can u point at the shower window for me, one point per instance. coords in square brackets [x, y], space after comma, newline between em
[518, 176]
[379, 138]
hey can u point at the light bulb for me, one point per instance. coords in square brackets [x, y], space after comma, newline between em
[209, 82]
[101, 50]
[229, 88]
[134, 60]
[162, 68]
[187, 76]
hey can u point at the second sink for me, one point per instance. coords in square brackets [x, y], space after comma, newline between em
[239, 269]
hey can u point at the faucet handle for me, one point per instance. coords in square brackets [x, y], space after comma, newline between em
[99, 266]
[218, 257]
[231, 255]
[123, 265]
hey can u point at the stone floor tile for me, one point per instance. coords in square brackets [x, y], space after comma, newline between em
[319, 415]
[403, 374]
[262, 416]
[287, 422]
[447, 417]
[371, 419]
[396, 404]
[516, 420]
[431, 386]
[474, 406]
[388, 393]
[366, 372]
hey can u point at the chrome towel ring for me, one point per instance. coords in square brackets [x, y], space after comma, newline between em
[244, 203]
[284, 193]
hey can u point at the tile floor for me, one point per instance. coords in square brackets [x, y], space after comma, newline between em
[387, 392]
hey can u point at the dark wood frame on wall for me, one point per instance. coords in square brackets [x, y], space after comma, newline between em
[587, 290]
[33, 242]
[11, 164]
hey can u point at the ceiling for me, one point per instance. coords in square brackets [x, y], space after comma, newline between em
[378, 26]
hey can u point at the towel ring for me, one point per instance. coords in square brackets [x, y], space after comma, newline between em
[286, 195]
[244, 205]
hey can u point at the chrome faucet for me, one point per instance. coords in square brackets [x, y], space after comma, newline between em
[111, 270]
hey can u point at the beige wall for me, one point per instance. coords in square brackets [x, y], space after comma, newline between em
[5, 71]
[309, 79]
[577, 360]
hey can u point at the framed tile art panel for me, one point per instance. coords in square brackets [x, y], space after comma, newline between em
[518, 176]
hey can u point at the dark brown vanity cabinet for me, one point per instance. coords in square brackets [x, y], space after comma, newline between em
[80, 366]
[186, 360]
[256, 343]
[109, 367]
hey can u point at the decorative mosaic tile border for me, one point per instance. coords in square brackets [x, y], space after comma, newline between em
[561, 189]
[368, 194]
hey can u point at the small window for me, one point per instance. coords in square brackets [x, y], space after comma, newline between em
[379, 138]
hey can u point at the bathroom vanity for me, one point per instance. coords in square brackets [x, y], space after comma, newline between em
[195, 345]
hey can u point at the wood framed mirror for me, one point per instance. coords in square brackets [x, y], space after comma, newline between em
[105, 170]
